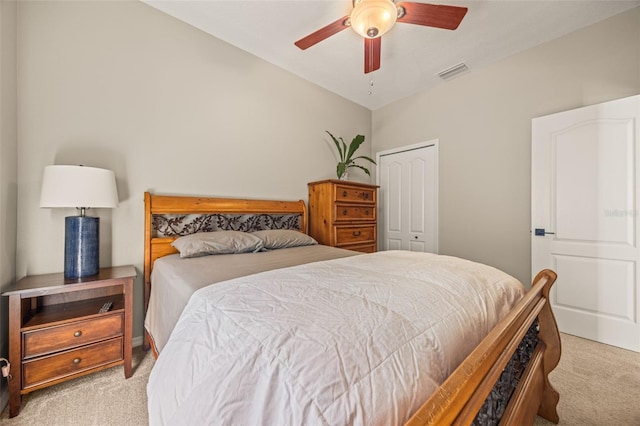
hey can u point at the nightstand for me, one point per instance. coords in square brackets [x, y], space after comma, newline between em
[57, 332]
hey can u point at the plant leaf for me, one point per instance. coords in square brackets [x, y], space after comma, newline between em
[364, 157]
[344, 151]
[337, 145]
[340, 169]
[354, 145]
[361, 168]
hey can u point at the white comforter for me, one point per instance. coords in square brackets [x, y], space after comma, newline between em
[361, 340]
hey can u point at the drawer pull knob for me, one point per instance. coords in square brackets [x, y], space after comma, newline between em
[356, 233]
[366, 195]
[344, 212]
[77, 333]
[366, 212]
[76, 360]
[344, 193]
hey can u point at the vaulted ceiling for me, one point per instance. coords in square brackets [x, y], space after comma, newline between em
[412, 56]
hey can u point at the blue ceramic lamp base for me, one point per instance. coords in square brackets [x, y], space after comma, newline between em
[81, 246]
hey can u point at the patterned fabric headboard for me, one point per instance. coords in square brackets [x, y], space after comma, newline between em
[178, 225]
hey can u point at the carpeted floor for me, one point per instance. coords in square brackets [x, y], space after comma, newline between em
[103, 398]
[599, 386]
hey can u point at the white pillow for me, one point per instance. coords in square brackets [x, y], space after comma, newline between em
[218, 242]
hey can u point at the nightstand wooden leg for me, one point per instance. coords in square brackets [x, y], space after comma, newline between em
[15, 319]
[128, 326]
[146, 345]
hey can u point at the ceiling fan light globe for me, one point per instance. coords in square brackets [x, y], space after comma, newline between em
[373, 18]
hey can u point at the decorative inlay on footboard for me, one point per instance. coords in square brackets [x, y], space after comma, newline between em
[167, 225]
[496, 403]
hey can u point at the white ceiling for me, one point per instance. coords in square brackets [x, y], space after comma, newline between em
[412, 55]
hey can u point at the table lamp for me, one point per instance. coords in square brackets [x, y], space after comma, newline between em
[83, 188]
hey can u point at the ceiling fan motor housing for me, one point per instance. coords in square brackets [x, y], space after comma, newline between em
[373, 18]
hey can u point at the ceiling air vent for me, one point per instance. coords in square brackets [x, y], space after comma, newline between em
[454, 71]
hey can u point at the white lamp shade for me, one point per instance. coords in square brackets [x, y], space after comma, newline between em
[78, 186]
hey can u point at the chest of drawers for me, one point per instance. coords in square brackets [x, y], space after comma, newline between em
[344, 214]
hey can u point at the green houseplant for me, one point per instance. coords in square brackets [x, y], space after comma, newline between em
[346, 153]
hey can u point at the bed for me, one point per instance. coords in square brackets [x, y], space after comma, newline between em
[500, 373]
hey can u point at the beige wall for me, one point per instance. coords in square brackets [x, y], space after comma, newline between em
[170, 109]
[8, 167]
[483, 122]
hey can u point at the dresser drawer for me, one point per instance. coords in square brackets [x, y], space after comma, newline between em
[355, 234]
[48, 368]
[53, 339]
[355, 194]
[349, 213]
[368, 248]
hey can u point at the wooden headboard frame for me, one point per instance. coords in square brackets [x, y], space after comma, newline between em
[156, 247]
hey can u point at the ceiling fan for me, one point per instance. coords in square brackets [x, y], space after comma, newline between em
[372, 18]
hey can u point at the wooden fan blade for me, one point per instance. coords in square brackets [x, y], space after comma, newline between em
[372, 54]
[322, 33]
[432, 15]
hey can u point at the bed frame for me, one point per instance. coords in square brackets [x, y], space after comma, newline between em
[463, 394]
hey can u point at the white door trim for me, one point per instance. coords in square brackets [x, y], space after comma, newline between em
[433, 142]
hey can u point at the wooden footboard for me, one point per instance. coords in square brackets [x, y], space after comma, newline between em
[460, 397]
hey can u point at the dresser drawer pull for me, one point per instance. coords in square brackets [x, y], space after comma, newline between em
[76, 360]
[365, 195]
[344, 212]
[77, 333]
[356, 233]
[344, 193]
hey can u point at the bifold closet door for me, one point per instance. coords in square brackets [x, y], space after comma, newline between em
[409, 198]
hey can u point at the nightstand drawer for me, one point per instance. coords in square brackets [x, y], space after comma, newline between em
[350, 213]
[45, 369]
[355, 234]
[355, 194]
[52, 339]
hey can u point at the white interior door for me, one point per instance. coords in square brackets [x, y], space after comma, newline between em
[409, 198]
[585, 210]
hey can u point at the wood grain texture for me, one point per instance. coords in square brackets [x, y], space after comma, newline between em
[58, 338]
[323, 33]
[15, 357]
[56, 331]
[344, 214]
[372, 52]
[432, 15]
[41, 285]
[43, 370]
